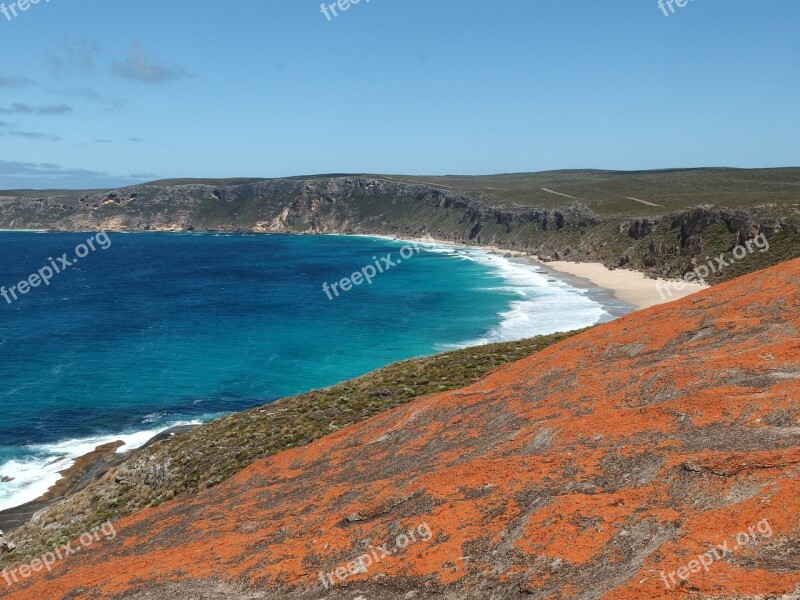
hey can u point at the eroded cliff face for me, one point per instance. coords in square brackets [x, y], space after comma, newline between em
[603, 467]
[666, 246]
[290, 206]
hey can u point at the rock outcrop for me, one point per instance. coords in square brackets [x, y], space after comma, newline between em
[6, 546]
[655, 456]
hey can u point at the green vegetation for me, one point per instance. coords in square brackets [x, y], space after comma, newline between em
[604, 192]
[212, 182]
[782, 247]
[609, 192]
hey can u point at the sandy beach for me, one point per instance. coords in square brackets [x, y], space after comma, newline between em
[629, 286]
[632, 287]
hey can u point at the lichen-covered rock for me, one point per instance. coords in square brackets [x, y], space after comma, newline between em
[595, 469]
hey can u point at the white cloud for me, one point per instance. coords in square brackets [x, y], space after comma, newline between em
[139, 66]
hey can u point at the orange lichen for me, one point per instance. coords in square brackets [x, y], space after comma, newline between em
[598, 463]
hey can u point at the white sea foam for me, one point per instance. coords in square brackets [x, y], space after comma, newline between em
[39, 470]
[546, 304]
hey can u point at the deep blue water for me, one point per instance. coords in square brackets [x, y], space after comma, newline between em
[165, 328]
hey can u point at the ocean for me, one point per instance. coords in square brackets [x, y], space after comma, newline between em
[154, 330]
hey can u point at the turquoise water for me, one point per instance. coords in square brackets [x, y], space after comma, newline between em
[159, 329]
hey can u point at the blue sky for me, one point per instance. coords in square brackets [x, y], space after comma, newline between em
[103, 93]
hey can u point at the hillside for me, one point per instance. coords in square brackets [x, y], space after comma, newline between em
[602, 467]
[212, 453]
[663, 223]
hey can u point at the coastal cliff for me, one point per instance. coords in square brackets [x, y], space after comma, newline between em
[661, 240]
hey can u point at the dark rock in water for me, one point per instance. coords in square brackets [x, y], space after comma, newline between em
[6, 479]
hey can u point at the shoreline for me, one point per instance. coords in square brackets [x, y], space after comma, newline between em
[629, 286]
[612, 305]
[633, 288]
[618, 292]
[79, 474]
[65, 467]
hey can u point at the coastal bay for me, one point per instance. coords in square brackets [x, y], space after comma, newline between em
[112, 374]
